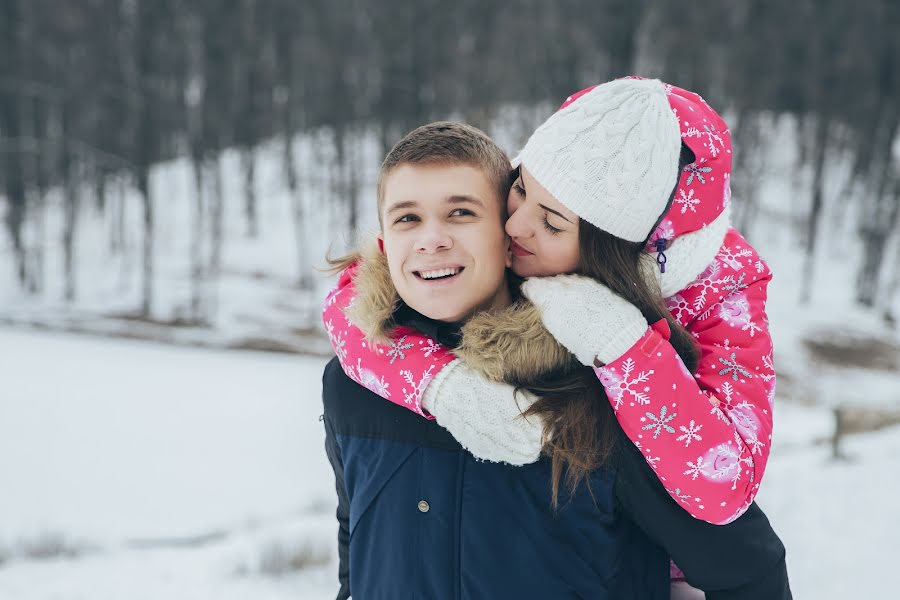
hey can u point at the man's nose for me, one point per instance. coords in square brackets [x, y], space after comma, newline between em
[434, 238]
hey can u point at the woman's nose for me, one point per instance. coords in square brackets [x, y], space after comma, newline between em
[517, 223]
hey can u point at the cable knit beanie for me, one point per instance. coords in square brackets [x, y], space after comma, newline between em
[610, 155]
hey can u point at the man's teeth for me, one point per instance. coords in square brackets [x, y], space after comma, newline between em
[438, 273]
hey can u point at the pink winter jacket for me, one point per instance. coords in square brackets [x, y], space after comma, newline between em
[707, 435]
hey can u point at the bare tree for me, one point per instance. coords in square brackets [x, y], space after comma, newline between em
[880, 208]
[12, 143]
[217, 224]
[70, 211]
[820, 149]
[892, 290]
[195, 103]
[245, 82]
[750, 168]
[137, 63]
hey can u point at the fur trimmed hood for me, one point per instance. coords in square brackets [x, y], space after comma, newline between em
[509, 344]
[376, 299]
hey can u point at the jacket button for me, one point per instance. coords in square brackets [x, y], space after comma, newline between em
[423, 506]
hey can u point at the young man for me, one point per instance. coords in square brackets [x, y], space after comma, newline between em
[419, 516]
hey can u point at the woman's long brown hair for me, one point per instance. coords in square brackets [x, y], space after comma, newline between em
[580, 428]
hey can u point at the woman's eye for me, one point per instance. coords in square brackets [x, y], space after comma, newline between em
[550, 228]
[407, 219]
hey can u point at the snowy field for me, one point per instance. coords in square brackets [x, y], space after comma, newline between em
[152, 472]
[169, 472]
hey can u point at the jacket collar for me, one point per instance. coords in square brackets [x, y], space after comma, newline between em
[447, 334]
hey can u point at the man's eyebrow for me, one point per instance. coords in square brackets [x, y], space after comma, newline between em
[401, 206]
[465, 199]
[555, 212]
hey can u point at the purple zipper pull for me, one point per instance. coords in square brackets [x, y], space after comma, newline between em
[661, 254]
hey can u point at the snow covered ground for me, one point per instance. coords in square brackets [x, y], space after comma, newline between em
[182, 474]
[171, 471]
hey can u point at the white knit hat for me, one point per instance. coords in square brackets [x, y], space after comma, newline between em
[611, 156]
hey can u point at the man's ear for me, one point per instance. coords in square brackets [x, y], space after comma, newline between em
[508, 242]
[380, 239]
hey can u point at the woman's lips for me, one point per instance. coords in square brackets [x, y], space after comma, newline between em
[518, 250]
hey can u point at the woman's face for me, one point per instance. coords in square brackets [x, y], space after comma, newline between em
[544, 232]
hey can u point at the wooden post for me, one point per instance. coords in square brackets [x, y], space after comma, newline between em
[839, 427]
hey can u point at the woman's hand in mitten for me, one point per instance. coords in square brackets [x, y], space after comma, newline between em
[585, 316]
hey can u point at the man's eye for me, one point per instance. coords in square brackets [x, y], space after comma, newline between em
[519, 189]
[462, 212]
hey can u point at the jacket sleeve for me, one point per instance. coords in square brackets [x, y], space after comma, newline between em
[398, 372]
[484, 416]
[706, 435]
[333, 451]
[743, 560]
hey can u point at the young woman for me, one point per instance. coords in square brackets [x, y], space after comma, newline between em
[660, 273]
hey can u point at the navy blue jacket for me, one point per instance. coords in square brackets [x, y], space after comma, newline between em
[420, 518]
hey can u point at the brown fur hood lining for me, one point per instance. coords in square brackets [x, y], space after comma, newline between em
[509, 344]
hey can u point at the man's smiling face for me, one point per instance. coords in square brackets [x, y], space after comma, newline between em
[442, 227]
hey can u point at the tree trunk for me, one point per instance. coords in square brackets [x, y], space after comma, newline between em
[49, 172]
[14, 180]
[39, 231]
[11, 149]
[304, 280]
[100, 189]
[815, 212]
[117, 218]
[145, 191]
[873, 241]
[749, 171]
[881, 208]
[346, 183]
[875, 232]
[70, 207]
[197, 262]
[217, 217]
[30, 153]
[248, 160]
[125, 257]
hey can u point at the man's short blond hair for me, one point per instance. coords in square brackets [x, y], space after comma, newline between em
[449, 143]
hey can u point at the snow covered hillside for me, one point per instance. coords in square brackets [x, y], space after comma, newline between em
[256, 301]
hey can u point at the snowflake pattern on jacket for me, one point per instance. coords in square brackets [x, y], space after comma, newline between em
[706, 435]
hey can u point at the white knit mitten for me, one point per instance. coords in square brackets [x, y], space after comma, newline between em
[585, 316]
[484, 416]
